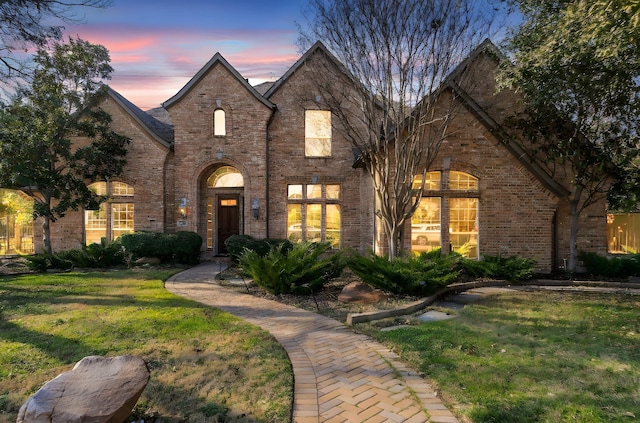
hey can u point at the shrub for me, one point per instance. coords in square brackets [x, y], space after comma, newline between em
[510, 268]
[301, 268]
[43, 262]
[237, 244]
[613, 267]
[420, 275]
[182, 247]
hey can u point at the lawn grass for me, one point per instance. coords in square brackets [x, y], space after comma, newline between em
[532, 357]
[206, 365]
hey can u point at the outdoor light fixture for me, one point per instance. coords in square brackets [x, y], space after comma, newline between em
[182, 209]
[220, 154]
[255, 208]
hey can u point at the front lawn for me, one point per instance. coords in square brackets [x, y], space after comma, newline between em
[532, 357]
[205, 365]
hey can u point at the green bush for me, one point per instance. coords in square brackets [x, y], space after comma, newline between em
[237, 244]
[417, 275]
[510, 268]
[285, 269]
[179, 247]
[43, 262]
[611, 267]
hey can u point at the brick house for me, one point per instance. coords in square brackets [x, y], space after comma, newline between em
[221, 157]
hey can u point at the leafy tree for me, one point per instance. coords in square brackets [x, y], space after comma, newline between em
[37, 155]
[397, 53]
[577, 66]
[33, 23]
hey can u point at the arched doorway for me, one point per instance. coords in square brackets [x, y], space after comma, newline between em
[224, 204]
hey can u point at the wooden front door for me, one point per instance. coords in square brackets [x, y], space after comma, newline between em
[228, 220]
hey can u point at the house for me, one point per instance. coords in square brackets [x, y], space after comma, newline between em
[222, 157]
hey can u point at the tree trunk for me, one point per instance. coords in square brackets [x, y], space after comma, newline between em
[46, 235]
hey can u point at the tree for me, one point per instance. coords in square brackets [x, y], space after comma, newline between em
[32, 23]
[397, 53]
[37, 155]
[580, 88]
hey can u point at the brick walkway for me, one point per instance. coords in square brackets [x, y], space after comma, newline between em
[340, 376]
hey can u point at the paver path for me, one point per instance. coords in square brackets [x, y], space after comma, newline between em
[340, 376]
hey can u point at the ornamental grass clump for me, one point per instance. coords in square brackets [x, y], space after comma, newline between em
[300, 269]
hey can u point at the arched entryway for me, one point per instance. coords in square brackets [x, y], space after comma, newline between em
[223, 198]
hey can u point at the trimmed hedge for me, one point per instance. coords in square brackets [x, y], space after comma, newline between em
[180, 247]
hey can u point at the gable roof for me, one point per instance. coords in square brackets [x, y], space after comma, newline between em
[316, 47]
[160, 131]
[215, 60]
[511, 144]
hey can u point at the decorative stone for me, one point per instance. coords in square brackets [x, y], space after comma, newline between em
[360, 292]
[97, 390]
[148, 260]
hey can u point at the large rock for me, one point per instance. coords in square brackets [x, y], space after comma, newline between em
[97, 390]
[360, 292]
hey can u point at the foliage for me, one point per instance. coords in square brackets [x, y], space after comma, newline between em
[532, 357]
[613, 267]
[37, 155]
[49, 322]
[301, 269]
[16, 203]
[425, 273]
[393, 57]
[237, 244]
[180, 247]
[582, 97]
[510, 268]
[43, 262]
[101, 256]
[413, 275]
[33, 23]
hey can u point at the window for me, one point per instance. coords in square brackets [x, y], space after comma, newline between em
[449, 220]
[226, 177]
[317, 133]
[219, 123]
[313, 213]
[114, 217]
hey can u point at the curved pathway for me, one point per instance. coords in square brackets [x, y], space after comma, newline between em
[340, 376]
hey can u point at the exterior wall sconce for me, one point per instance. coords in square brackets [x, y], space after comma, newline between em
[255, 208]
[220, 154]
[182, 209]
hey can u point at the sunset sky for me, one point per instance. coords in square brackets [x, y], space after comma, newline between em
[156, 46]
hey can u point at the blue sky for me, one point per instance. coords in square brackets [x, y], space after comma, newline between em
[156, 46]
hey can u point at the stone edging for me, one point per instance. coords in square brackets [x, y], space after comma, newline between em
[353, 318]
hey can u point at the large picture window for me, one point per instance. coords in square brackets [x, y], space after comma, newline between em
[317, 133]
[313, 213]
[114, 217]
[447, 216]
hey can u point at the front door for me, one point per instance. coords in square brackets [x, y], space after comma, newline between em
[228, 220]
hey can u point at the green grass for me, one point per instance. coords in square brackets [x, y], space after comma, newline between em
[205, 365]
[533, 357]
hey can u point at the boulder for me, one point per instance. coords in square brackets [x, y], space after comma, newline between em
[96, 390]
[360, 292]
[148, 260]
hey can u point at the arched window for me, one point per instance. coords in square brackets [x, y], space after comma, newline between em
[219, 123]
[114, 217]
[445, 218]
[226, 177]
